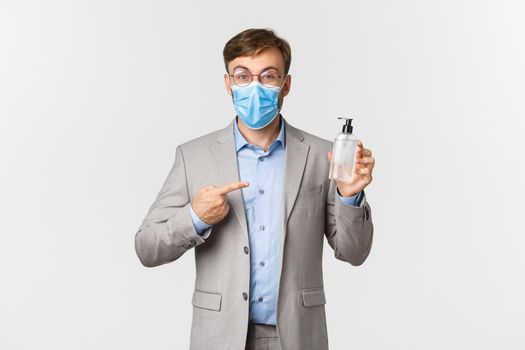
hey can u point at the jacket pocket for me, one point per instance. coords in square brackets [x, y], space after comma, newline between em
[313, 296]
[206, 300]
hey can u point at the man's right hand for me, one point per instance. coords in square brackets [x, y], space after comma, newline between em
[210, 202]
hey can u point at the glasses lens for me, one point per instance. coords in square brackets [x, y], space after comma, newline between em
[242, 77]
[269, 77]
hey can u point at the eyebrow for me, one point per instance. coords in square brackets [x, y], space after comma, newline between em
[265, 68]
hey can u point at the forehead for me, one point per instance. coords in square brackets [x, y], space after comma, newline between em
[269, 57]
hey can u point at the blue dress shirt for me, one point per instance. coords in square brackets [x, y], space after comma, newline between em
[265, 173]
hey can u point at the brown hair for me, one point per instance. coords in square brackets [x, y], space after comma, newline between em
[251, 41]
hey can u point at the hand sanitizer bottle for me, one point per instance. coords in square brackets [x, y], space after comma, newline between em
[343, 153]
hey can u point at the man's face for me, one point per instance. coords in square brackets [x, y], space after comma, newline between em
[267, 58]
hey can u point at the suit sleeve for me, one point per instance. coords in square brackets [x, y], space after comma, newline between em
[168, 231]
[348, 229]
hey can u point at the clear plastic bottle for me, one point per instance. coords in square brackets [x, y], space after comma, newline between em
[343, 153]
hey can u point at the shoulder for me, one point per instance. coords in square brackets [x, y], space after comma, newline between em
[203, 143]
[316, 143]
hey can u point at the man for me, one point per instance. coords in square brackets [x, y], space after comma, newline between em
[254, 200]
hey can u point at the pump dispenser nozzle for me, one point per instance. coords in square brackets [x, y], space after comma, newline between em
[347, 128]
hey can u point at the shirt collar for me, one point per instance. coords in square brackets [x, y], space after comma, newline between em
[240, 141]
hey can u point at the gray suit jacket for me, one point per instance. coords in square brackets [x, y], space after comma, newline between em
[311, 211]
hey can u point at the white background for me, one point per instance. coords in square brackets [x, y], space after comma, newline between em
[96, 95]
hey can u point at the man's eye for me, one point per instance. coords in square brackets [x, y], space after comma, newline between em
[270, 75]
[242, 76]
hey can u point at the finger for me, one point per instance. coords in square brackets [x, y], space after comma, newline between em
[359, 149]
[366, 152]
[371, 165]
[364, 171]
[366, 160]
[329, 155]
[361, 170]
[225, 212]
[232, 187]
[225, 206]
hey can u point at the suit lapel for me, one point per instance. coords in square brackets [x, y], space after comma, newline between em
[296, 154]
[295, 160]
[226, 158]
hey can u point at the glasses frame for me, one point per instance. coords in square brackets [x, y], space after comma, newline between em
[257, 75]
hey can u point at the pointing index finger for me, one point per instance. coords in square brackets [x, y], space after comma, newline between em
[232, 187]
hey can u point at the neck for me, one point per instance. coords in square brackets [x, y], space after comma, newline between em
[261, 137]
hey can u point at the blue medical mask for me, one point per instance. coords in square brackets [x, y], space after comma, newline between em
[257, 105]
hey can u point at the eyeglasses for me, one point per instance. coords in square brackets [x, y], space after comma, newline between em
[270, 77]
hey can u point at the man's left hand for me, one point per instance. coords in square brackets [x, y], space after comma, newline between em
[362, 176]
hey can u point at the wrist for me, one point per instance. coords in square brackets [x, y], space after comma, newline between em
[348, 194]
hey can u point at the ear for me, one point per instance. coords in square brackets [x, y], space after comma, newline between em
[287, 85]
[227, 84]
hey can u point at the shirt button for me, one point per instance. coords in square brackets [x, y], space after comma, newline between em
[246, 250]
[261, 191]
[260, 299]
[244, 295]
[262, 228]
[261, 263]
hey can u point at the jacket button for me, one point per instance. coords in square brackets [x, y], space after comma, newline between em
[246, 250]
[244, 295]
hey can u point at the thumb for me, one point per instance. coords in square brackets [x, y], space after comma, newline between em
[329, 155]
